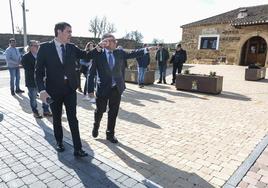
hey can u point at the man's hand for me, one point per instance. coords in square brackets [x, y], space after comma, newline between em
[91, 95]
[43, 96]
[152, 48]
[102, 44]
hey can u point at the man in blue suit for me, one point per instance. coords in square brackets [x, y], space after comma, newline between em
[109, 66]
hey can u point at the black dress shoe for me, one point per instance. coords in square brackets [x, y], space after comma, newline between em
[80, 153]
[95, 133]
[19, 91]
[112, 139]
[159, 82]
[13, 93]
[60, 147]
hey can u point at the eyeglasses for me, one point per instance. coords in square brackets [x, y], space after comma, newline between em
[35, 45]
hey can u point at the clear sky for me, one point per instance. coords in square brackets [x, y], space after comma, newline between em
[152, 18]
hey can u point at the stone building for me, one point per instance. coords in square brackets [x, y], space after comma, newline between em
[236, 37]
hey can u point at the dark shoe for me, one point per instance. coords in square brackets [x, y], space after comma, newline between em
[13, 93]
[80, 90]
[172, 83]
[95, 132]
[165, 82]
[47, 114]
[159, 82]
[60, 147]
[112, 139]
[37, 115]
[19, 91]
[80, 153]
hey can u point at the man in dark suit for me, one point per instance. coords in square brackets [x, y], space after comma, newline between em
[28, 62]
[109, 64]
[162, 57]
[56, 61]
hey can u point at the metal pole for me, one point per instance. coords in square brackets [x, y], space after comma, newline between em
[11, 14]
[24, 24]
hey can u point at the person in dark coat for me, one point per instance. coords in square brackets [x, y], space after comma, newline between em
[178, 59]
[28, 63]
[143, 63]
[57, 60]
[161, 58]
[109, 66]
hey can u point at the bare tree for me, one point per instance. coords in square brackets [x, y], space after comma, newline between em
[100, 26]
[157, 41]
[134, 35]
[93, 26]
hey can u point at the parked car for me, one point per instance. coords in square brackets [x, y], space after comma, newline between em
[22, 50]
[2, 56]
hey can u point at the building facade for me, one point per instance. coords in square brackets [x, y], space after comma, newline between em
[236, 37]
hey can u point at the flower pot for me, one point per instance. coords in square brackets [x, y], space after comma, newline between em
[199, 83]
[132, 76]
[252, 74]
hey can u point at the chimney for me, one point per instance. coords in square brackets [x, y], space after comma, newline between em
[242, 13]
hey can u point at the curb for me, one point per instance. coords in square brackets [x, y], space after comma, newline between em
[238, 175]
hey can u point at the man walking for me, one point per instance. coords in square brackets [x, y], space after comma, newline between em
[56, 60]
[28, 62]
[109, 66]
[13, 59]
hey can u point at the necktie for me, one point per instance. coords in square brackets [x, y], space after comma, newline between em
[111, 60]
[63, 53]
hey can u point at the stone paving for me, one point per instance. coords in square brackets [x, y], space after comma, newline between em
[28, 159]
[175, 138]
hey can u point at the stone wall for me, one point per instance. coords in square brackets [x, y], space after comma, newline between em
[230, 43]
[80, 41]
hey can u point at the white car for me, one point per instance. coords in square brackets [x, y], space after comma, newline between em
[2, 56]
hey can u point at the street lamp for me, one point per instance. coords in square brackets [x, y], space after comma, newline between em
[24, 24]
[12, 22]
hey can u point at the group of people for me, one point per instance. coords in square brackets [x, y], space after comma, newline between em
[51, 70]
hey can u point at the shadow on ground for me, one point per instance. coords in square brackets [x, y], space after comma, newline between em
[135, 97]
[164, 175]
[136, 118]
[86, 169]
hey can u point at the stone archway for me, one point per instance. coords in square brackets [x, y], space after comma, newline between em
[254, 50]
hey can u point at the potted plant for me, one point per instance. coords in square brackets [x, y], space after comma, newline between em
[211, 83]
[255, 72]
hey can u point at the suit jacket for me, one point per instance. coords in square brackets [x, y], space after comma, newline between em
[28, 63]
[100, 67]
[165, 56]
[48, 65]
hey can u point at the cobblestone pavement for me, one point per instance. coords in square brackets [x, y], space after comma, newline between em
[176, 138]
[28, 159]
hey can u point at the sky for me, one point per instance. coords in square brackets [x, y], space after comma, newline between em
[153, 19]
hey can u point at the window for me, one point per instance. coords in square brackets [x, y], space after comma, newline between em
[208, 42]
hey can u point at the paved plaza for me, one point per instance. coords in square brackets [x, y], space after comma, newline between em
[167, 138]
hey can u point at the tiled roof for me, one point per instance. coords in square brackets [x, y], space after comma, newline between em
[255, 15]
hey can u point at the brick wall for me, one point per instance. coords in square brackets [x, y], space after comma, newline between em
[230, 45]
